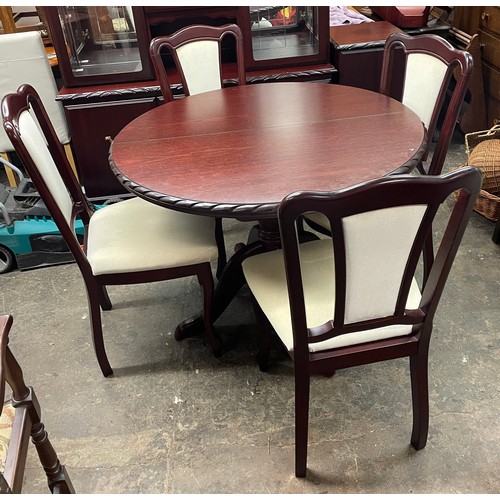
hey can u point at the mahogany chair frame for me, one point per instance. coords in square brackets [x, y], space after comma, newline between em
[27, 422]
[13, 105]
[382, 193]
[460, 65]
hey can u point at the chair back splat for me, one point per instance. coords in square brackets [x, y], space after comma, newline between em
[354, 299]
[132, 241]
[430, 63]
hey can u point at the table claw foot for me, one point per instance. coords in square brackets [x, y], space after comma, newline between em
[190, 327]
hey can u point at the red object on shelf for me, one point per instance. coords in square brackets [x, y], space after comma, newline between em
[404, 17]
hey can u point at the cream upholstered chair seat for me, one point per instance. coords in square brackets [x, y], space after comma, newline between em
[265, 275]
[121, 232]
[319, 222]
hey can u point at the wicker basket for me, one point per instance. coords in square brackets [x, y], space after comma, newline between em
[474, 138]
[485, 155]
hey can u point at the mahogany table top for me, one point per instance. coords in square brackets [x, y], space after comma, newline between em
[239, 151]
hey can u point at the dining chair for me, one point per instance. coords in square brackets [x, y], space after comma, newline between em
[21, 418]
[197, 51]
[354, 299]
[430, 63]
[24, 60]
[132, 241]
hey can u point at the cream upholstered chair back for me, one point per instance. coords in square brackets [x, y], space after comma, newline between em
[200, 61]
[196, 52]
[390, 234]
[37, 148]
[23, 60]
[379, 230]
[361, 284]
[424, 78]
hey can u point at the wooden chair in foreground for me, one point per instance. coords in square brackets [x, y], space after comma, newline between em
[20, 420]
[353, 299]
[132, 241]
[197, 55]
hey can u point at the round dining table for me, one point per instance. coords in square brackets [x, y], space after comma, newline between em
[237, 152]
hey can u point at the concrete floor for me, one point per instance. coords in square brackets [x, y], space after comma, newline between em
[173, 419]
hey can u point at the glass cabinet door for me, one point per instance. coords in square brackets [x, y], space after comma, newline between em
[279, 32]
[292, 33]
[102, 44]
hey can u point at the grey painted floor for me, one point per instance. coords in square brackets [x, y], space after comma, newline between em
[173, 419]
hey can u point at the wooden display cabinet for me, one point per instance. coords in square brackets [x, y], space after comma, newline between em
[283, 36]
[108, 79]
[99, 45]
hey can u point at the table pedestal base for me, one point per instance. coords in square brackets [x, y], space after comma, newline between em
[263, 237]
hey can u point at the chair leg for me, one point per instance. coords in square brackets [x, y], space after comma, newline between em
[420, 399]
[58, 479]
[496, 232]
[221, 246]
[206, 281]
[421, 168]
[24, 396]
[96, 329]
[301, 421]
